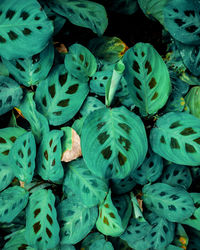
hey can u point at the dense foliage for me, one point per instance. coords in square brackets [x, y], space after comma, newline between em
[99, 142]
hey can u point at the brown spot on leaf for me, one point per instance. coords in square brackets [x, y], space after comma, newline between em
[100, 125]
[197, 140]
[13, 139]
[175, 124]
[23, 247]
[136, 67]
[39, 239]
[72, 89]
[105, 221]
[106, 205]
[37, 227]
[154, 96]
[102, 138]
[112, 215]
[36, 212]
[50, 143]
[162, 139]
[189, 148]
[2, 140]
[121, 158]
[124, 142]
[6, 152]
[63, 103]
[81, 57]
[152, 83]
[50, 207]
[52, 90]
[125, 127]
[46, 155]
[107, 152]
[63, 79]
[188, 131]
[174, 143]
[148, 66]
[137, 83]
[49, 219]
[49, 233]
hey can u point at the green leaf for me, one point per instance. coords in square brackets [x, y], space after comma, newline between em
[22, 156]
[90, 189]
[49, 157]
[39, 124]
[80, 62]
[177, 176]
[153, 8]
[31, 70]
[109, 222]
[181, 238]
[42, 228]
[60, 96]
[124, 185]
[76, 220]
[192, 99]
[6, 174]
[127, 7]
[91, 104]
[7, 138]
[10, 94]
[24, 29]
[83, 13]
[181, 19]
[194, 220]
[12, 201]
[194, 237]
[113, 142]
[173, 203]
[176, 137]
[147, 78]
[150, 170]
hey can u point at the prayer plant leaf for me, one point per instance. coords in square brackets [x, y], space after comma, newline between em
[80, 62]
[147, 78]
[60, 96]
[124, 185]
[32, 70]
[192, 100]
[6, 174]
[173, 203]
[194, 242]
[49, 157]
[109, 221]
[153, 8]
[127, 7]
[150, 170]
[10, 94]
[113, 142]
[42, 228]
[7, 138]
[38, 122]
[24, 29]
[12, 201]
[76, 220]
[176, 137]
[83, 13]
[177, 176]
[91, 104]
[22, 157]
[182, 20]
[194, 220]
[89, 189]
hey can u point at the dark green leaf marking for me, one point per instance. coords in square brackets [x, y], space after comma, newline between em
[136, 67]
[100, 125]
[107, 152]
[26, 31]
[148, 66]
[36, 212]
[12, 35]
[152, 83]
[10, 14]
[52, 90]
[19, 66]
[24, 15]
[63, 79]
[102, 138]
[72, 89]
[121, 158]
[172, 208]
[63, 103]
[138, 96]
[125, 142]
[37, 227]
[125, 127]
[189, 148]
[49, 219]
[197, 140]
[2, 40]
[162, 139]
[175, 124]
[154, 96]
[49, 233]
[188, 131]
[123, 117]
[137, 83]
[174, 143]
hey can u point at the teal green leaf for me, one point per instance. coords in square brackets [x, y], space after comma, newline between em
[90, 189]
[42, 228]
[127, 7]
[194, 220]
[7, 138]
[78, 125]
[181, 238]
[32, 70]
[96, 241]
[6, 174]
[76, 220]
[91, 104]
[150, 170]
[175, 102]
[176, 137]
[173, 203]
[181, 19]
[49, 157]
[10, 94]
[113, 142]
[109, 221]
[17, 242]
[177, 176]
[83, 13]
[60, 96]
[22, 157]
[192, 99]
[24, 29]
[194, 236]
[80, 62]
[153, 8]
[137, 210]
[124, 185]
[38, 122]
[147, 78]
[136, 231]
[12, 201]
